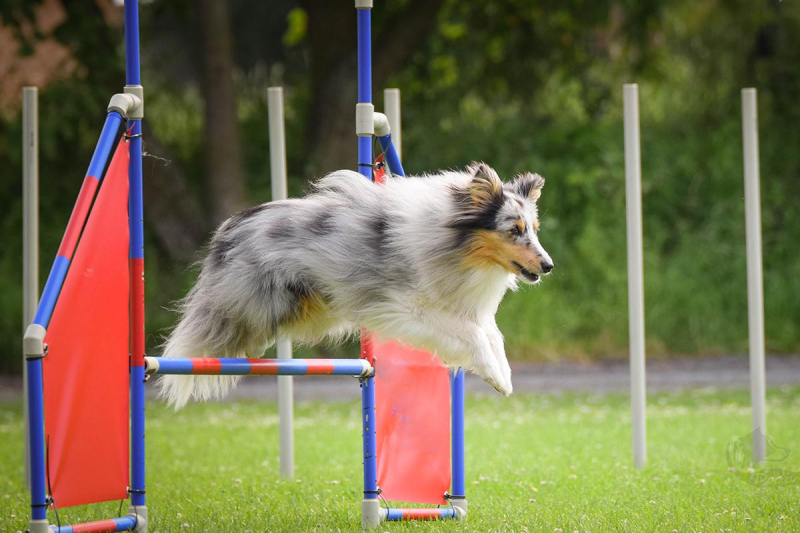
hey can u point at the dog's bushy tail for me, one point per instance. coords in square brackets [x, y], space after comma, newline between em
[177, 390]
[200, 333]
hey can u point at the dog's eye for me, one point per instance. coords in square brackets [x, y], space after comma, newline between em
[516, 231]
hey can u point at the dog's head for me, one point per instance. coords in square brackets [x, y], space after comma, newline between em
[501, 222]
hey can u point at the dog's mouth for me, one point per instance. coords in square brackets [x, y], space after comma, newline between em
[527, 275]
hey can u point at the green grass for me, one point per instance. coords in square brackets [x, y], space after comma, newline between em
[534, 463]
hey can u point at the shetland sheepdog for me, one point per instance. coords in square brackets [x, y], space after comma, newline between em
[425, 260]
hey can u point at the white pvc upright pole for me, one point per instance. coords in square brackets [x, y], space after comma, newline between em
[277, 156]
[633, 202]
[391, 108]
[30, 229]
[755, 281]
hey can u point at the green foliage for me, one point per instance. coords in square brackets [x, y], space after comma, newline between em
[522, 86]
[556, 109]
[297, 27]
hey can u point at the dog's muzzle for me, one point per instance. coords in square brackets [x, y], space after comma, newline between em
[527, 275]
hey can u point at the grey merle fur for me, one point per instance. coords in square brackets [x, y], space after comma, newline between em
[391, 258]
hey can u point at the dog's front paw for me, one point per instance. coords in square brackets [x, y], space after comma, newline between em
[500, 360]
[506, 388]
[496, 378]
[507, 374]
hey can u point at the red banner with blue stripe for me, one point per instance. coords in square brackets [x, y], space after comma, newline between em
[86, 370]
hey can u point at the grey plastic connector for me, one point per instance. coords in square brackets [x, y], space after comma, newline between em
[151, 365]
[366, 369]
[461, 508]
[365, 124]
[381, 124]
[33, 342]
[136, 113]
[141, 518]
[363, 4]
[126, 104]
[39, 526]
[372, 514]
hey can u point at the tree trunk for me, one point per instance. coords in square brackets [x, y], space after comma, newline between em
[171, 210]
[225, 179]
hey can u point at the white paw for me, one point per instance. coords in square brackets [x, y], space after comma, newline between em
[496, 341]
[506, 372]
[501, 385]
[496, 377]
[505, 388]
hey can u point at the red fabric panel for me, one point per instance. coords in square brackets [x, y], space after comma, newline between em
[78, 216]
[379, 172]
[366, 347]
[86, 371]
[412, 404]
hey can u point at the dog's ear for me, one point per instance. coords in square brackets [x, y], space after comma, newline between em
[485, 187]
[528, 185]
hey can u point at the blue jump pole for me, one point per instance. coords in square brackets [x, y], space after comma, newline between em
[36, 443]
[370, 507]
[391, 157]
[36, 430]
[136, 216]
[125, 523]
[370, 443]
[458, 496]
[364, 81]
[399, 515]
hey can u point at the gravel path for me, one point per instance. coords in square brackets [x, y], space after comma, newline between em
[604, 377]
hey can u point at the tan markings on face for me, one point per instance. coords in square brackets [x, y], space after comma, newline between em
[536, 226]
[490, 248]
[520, 224]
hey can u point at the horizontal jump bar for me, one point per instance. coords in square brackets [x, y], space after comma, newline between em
[125, 523]
[443, 513]
[257, 367]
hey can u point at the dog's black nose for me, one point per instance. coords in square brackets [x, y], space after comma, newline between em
[547, 267]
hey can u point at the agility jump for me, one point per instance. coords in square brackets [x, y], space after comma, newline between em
[87, 342]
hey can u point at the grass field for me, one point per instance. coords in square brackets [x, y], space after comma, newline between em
[534, 463]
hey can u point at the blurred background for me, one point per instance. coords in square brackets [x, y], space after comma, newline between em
[523, 85]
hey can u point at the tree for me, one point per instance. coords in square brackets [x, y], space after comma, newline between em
[225, 179]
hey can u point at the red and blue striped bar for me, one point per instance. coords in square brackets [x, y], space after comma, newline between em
[443, 513]
[125, 523]
[257, 367]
